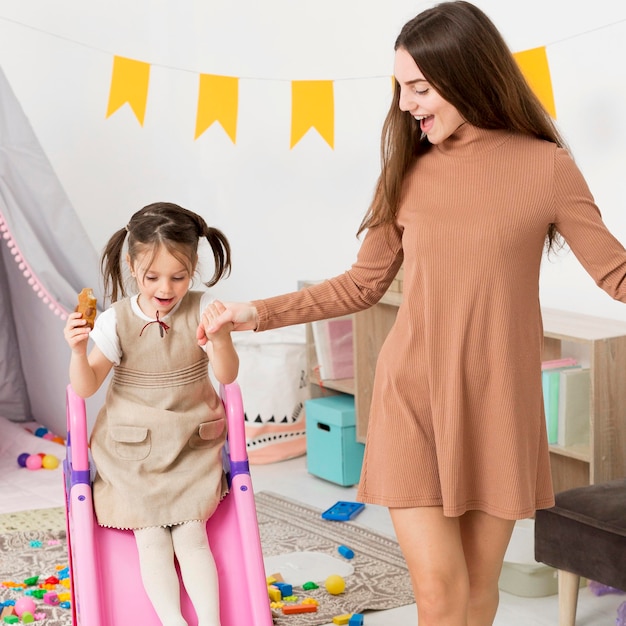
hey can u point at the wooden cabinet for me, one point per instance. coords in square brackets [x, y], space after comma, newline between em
[597, 343]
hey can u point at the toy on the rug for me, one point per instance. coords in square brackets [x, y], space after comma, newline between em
[345, 552]
[351, 619]
[343, 511]
[53, 591]
[303, 607]
[281, 598]
[335, 584]
[38, 461]
[12, 611]
[23, 605]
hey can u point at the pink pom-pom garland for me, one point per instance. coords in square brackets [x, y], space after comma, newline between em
[37, 286]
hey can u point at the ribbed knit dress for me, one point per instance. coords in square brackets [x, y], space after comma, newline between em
[457, 417]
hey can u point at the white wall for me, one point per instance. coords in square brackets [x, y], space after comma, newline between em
[290, 213]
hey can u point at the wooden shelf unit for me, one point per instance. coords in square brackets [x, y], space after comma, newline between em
[598, 343]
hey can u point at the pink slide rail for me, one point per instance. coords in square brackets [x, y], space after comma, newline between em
[106, 583]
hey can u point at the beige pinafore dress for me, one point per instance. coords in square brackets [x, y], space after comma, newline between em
[157, 442]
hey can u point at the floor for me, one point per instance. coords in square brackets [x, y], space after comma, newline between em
[291, 479]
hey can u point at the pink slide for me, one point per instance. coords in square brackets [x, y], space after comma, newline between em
[106, 583]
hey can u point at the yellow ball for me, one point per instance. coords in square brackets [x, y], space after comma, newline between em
[335, 584]
[50, 461]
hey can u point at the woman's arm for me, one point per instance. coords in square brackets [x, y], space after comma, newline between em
[579, 221]
[359, 288]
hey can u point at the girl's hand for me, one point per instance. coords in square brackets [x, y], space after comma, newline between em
[220, 349]
[214, 331]
[235, 315]
[76, 333]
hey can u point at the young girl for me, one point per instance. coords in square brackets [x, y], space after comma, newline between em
[475, 182]
[157, 441]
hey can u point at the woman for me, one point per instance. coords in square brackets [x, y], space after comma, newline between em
[475, 184]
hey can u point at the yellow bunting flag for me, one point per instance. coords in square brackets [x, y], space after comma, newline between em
[312, 106]
[218, 99]
[534, 66]
[129, 84]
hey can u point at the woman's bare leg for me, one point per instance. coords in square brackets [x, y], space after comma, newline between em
[454, 563]
[485, 539]
[432, 547]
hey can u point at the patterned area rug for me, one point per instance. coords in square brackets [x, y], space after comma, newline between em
[380, 579]
[33, 543]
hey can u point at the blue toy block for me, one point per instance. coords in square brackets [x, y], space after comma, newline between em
[356, 619]
[342, 511]
[346, 552]
[285, 588]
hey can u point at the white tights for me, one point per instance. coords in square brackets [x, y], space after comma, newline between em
[189, 544]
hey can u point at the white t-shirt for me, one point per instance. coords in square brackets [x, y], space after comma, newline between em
[104, 333]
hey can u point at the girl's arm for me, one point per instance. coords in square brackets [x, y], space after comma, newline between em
[87, 372]
[220, 349]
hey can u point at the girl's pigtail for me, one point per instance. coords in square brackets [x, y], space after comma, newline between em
[111, 266]
[221, 253]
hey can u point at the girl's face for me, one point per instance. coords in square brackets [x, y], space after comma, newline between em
[438, 119]
[162, 281]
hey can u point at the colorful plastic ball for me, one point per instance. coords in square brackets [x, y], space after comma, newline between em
[48, 436]
[21, 459]
[335, 584]
[34, 462]
[41, 431]
[25, 604]
[50, 462]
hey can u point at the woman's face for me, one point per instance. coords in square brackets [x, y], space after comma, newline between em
[438, 119]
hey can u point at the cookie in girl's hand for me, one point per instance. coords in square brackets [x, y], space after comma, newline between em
[87, 305]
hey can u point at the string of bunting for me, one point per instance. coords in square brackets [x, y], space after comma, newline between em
[312, 101]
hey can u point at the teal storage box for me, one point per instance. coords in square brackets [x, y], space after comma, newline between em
[333, 453]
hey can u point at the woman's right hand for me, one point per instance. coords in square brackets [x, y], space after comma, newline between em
[76, 333]
[242, 316]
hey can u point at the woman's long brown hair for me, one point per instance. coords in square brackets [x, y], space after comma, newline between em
[466, 60]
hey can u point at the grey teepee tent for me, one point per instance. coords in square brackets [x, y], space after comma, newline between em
[45, 259]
